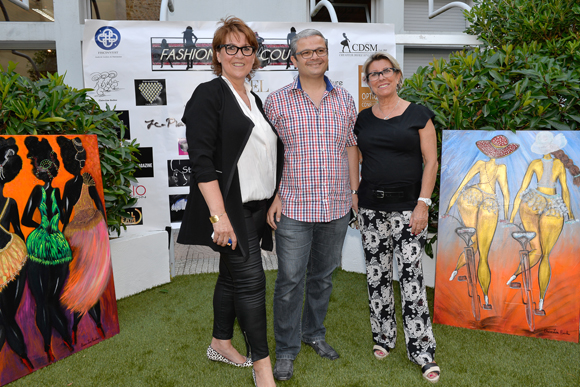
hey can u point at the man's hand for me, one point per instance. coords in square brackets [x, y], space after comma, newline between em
[275, 212]
[355, 202]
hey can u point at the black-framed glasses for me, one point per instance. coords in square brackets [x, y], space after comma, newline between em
[233, 50]
[387, 73]
[307, 54]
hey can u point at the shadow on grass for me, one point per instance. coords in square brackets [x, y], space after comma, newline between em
[165, 332]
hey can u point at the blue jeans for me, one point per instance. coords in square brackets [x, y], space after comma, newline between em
[305, 250]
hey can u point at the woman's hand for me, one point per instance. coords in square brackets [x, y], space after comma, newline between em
[275, 212]
[355, 202]
[223, 231]
[419, 218]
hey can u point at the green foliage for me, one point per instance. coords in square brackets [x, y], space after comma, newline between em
[555, 23]
[49, 106]
[499, 89]
[524, 77]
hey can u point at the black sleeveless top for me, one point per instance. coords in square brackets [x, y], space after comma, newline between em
[391, 151]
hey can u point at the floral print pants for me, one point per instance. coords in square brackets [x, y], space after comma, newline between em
[384, 235]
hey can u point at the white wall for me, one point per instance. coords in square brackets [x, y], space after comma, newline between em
[255, 10]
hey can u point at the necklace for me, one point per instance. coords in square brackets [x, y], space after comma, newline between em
[388, 115]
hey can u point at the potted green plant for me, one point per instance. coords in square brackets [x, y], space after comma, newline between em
[49, 106]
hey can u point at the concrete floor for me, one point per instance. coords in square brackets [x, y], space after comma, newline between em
[191, 259]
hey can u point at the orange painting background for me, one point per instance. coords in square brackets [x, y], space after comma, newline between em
[19, 189]
[26, 178]
[453, 305]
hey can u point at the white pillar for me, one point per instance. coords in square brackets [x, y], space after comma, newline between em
[69, 16]
[393, 12]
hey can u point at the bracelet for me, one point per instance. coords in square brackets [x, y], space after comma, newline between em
[578, 175]
[354, 191]
[215, 218]
[427, 201]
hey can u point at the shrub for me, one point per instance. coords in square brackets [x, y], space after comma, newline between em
[524, 77]
[49, 106]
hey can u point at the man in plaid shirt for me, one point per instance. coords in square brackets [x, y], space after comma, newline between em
[310, 214]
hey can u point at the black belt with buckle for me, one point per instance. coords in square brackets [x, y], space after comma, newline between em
[377, 193]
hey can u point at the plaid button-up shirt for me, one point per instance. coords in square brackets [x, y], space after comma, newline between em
[315, 184]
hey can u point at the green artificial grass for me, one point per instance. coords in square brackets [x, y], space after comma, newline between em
[165, 332]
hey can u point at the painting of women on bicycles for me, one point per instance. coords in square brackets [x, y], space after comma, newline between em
[508, 232]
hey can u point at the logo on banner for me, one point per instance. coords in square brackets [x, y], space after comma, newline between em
[150, 92]
[145, 162]
[177, 204]
[138, 191]
[182, 146]
[105, 82]
[124, 117]
[178, 53]
[169, 122]
[136, 216]
[179, 172]
[107, 38]
[350, 48]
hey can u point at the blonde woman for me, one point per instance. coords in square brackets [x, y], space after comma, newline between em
[478, 204]
[398, 144]
[542, 209]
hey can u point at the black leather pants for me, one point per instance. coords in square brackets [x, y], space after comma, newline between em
[240, 290]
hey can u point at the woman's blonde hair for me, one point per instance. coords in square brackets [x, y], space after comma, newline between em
[380, 55]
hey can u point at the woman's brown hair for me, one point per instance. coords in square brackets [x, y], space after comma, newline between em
[233, 25]
[569, 164]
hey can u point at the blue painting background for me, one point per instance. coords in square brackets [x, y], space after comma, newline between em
[459, 153]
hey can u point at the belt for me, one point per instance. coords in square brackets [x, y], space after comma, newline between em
[391, 195]
[378, 194]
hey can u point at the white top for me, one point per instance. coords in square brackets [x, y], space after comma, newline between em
[257, 164]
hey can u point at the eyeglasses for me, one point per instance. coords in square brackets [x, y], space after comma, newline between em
[387, 73]
[233, 50]
[307, 54]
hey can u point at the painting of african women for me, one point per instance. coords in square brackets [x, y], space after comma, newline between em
[56, 284]
[507, 256]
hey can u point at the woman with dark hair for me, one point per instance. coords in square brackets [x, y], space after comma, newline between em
[12, 255]
[48, 251]
[398, 144]
[86, 233]
[233, 152]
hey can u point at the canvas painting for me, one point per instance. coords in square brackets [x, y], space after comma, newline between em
[509, 234]
[57, 295]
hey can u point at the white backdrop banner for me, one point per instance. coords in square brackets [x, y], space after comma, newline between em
[148, 70]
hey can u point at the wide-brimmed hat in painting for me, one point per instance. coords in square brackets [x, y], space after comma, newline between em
[497, 147]
[546, 143]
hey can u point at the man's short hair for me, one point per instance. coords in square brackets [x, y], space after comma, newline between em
[305, 34]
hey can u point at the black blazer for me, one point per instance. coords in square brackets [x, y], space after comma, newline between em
[217, 131]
